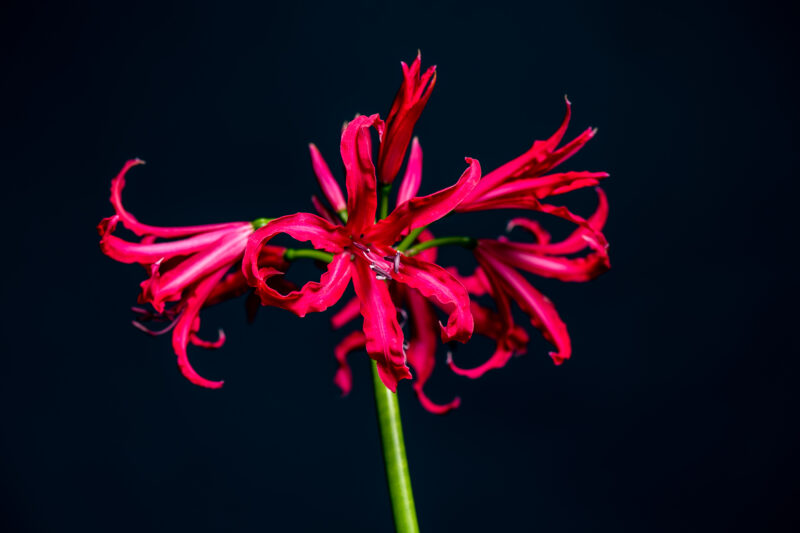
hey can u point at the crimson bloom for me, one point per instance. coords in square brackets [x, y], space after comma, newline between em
[364, 252]
[498, 275]
[189, 269]
[403, 115]
[523, 181]
[419, 316]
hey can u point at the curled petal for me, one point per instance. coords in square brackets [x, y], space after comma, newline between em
[577, 240]
[313, 296]
[419, 212]
[326, 180]
[527, 258]
[422, 350]
[413, 176]
[130, 222]
[435, 283]
[168, 286]
[209, 345]
[541, 235]
[356, 148]
[538, 307]
[540, 187]
[187, 325]
[384, 338]
[344, 376]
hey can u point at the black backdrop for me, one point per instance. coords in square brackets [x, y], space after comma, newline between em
[677, 411]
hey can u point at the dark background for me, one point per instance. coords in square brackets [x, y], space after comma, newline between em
[677, 411]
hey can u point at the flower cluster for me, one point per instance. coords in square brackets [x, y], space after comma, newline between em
[390, 256]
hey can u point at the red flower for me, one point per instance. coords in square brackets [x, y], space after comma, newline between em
[406, 109]
[189, 269]
[523, 181]
[364, 252]
[498, 275]
[423, 339]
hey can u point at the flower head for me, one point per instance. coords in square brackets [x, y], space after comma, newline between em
[187, 266]
[364, 252]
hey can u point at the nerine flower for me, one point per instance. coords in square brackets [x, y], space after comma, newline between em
[364, 252]
[526, 179]
[403, 115]
[419, 317]
[498, 275]
[190, 269]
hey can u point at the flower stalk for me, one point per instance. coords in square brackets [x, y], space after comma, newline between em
[391, 429]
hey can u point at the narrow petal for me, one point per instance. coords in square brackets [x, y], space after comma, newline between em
[323, 211]
[209, 345]
[413, 176]
[403, 115]
[419, 212]
[422, 349]
[131, 252]
[226, 251]
[577, 240]
[435, 283]
[538, 307]
[356, 148]
[326, 180]
[130, 222]
[348, 313]
[313, 296]
[344, 376]
[384, 338]
[526, 257]
[187, 323]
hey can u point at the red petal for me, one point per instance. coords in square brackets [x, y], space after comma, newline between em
[356, 148]
[435, 283]
[413, 176]
[422, 349]
[383, 334]
[313, 296]
[344, 376]
[348, 313]
[130, 222]
[187, 324]
[422, 211]
[529, 259]
[326, 180]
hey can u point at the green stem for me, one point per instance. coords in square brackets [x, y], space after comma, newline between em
[410, 238]
[466, 242]
[296, 253]
[394, 449]
[394, 456]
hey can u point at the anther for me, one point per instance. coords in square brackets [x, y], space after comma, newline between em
[361, 247]
[381, 274]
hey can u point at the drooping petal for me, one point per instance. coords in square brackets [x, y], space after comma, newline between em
[421, 351]
[356, 148]
[133, 252]
[577, 239]
[226, 251]
[313, 296]
[538, 307]
[187, 324]
[406, 110]
[419, 212]
[539, 187]
[348, 313]
[130, 222]
[384, 338]
[344, 376]
[435, 283]
[327, 182]
[526, 257]
[209, 345]
[413, 176]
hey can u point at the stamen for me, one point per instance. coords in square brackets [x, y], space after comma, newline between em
[141, 327]
[397, 262]
[361, 247]
[381, 274]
